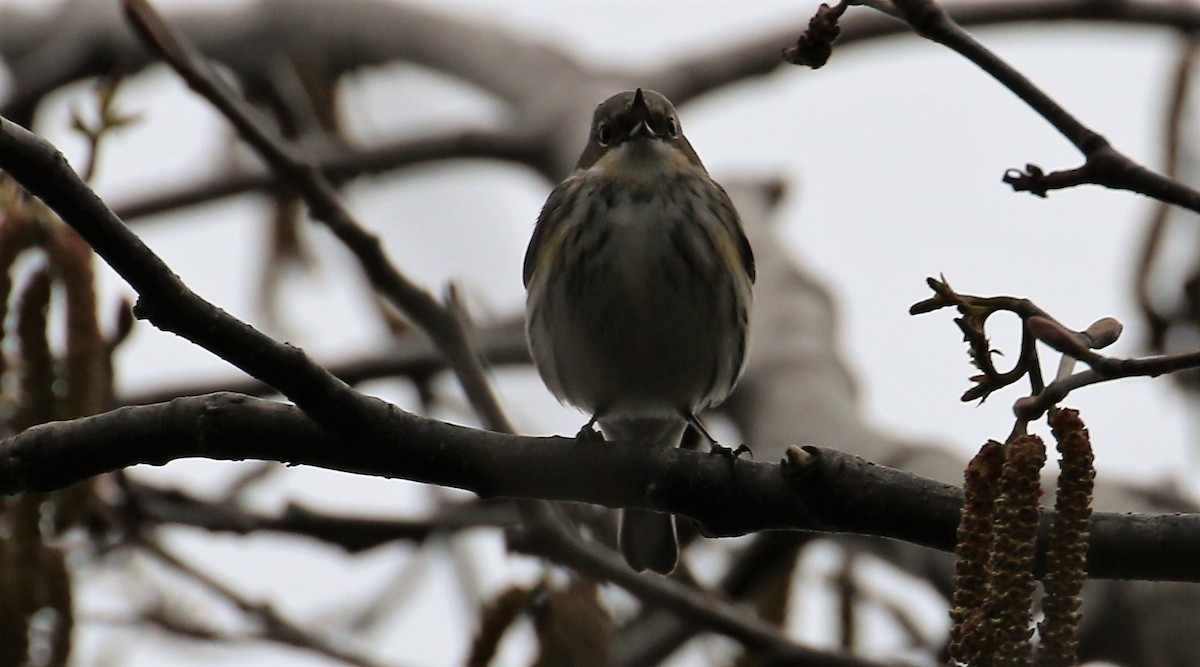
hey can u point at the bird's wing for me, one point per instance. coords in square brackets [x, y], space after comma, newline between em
[733, 223]
[554, 213]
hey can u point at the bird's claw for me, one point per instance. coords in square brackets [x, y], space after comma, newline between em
[589, 433]
[731, 454]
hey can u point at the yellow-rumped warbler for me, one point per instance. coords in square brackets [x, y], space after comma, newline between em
[638, 279]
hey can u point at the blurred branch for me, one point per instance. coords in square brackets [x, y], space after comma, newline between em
[410, 356]
[439, 321]
[170, 305]
[351, 534]
[823, 490]
[272, 625]
[347, 163]
[364, 33]
[697, 74]
[86, 39]
[768, 561]
[1161, 319]
[696, 606]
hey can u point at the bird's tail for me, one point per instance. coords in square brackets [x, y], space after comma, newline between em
[647, 539]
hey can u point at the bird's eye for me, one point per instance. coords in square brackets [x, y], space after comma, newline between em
[603, 133]
[672, 127]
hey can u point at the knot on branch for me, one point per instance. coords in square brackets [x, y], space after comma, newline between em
[1031, 180]
[926, 17]
[814, 47]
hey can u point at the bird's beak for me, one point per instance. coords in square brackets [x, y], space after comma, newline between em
[638, 117]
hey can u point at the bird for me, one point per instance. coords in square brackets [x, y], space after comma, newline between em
[639, 284]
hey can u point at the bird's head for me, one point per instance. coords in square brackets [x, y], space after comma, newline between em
[637, 130]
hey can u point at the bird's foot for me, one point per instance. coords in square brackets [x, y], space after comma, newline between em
[589, 433]
[714, 446]
[731, 454]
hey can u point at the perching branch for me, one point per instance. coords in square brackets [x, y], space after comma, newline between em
[820, 489]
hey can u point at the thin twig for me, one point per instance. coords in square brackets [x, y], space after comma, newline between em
[1103, 165]
[1104, 369]
[766, 562]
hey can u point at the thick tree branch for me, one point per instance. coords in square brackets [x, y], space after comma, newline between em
[232, 427]
[823, 490]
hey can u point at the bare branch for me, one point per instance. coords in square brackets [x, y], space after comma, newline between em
[170, 305]
[273, 625]
[411, 356]
[692, 604]
[351, 534]
[697, 74]
[344, 164]
[1103, 165]
[824, 490]
[1104, 369]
